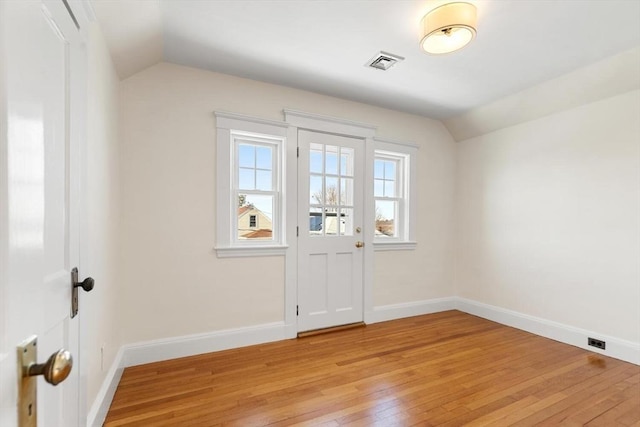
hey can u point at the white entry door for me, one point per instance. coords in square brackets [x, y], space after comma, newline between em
[330, 222]
[39, 188]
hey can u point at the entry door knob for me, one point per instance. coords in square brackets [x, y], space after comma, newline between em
[56, 369]
[86, 284]
[359, 244]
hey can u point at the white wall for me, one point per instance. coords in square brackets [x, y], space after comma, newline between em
[173, 283]
[100, 309]
[549, 217]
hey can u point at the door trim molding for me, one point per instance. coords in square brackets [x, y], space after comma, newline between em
[317, 122]
[334, 125]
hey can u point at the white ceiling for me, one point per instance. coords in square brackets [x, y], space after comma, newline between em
[322, 45]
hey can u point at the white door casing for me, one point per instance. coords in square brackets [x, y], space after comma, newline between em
[42, 80]
[331, 223]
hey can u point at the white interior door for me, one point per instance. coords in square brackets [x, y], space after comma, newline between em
[38, 199]
[330, 221]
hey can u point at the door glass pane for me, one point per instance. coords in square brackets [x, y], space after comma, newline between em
[346, 222]
[315, 190]
[346, 161]
[331, 194]
[315, 221]
[255, 216]
[331, 187]
[346, 191]
[386, 218]
[315, 158]
[331, 159]
[332, 222]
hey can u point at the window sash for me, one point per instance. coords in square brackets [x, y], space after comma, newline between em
[399, 197]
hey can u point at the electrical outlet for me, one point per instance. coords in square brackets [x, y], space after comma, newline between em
[597, 343]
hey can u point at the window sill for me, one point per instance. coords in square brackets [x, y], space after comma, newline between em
[254, 251]
[394, 246]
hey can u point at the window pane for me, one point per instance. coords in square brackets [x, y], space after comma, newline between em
[331, 191]
[315, 158]
[378, 169]
[378, 188]
[346, 222]
[390, 170]
[315, 221]
[246, 156]
[315, 190]
[346, 191]
[264, 180]
[246, 179]
[386, 218]
[264, 157]
[390, 189]
[255, 217]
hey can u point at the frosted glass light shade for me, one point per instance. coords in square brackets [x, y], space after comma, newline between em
[448, 28]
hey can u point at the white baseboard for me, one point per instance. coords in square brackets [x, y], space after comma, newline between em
[171, 348]
[620, 349]
[409, 309]
[101, 404]
[190, 345]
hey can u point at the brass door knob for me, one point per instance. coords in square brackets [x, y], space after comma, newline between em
[56, 369]
[359, 244]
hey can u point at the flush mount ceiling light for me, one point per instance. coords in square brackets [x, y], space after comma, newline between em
[448, 28]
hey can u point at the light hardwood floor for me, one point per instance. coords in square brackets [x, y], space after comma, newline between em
[448, 369]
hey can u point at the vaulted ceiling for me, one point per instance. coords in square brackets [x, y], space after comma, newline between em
[323, 45]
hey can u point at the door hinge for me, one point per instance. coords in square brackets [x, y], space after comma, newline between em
[297, 310]
[297, 231]
[297, 151]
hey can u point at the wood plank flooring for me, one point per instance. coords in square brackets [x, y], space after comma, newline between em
[443, 369]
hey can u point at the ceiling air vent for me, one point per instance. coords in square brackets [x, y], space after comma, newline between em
[383, 61]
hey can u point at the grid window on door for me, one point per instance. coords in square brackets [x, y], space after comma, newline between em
[255, 190]
[388, 194]
[330, 190]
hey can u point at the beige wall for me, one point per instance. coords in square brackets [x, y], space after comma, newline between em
[100, 229]
[173, 283]
[548, 217]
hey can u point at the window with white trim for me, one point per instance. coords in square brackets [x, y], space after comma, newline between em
[394, 195]
[250, 193]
